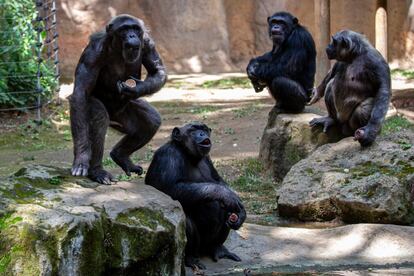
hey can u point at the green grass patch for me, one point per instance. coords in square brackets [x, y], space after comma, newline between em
[201, 110]
[32, 136]
[225, 83]
[402, 73]
[255, 188]
[396, 123]
[228, 83]
[245, 111]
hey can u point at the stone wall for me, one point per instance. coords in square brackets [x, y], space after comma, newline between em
[222, 35]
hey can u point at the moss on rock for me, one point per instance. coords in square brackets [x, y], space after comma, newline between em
[51, 225]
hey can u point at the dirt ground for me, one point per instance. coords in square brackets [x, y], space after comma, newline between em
[226, 103]
[236, 114]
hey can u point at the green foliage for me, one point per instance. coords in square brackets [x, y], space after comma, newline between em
[401, 73]
[18, 58]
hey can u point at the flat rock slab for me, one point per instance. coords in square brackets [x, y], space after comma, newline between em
[266, 249]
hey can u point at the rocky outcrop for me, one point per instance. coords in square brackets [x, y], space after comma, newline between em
[342, 180]
[288, 138]
[54, 224]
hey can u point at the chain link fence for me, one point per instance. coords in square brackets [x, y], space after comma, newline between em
[29, 55]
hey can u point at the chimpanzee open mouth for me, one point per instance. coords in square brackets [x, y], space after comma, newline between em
[205, 143]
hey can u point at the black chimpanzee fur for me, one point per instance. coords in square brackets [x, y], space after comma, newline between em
[357, 90]
[101, 97]
[288, 70]
[183, 169]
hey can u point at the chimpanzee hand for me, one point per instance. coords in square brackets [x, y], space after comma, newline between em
[316, 96]
[80, 165]
[252, 68]
[366, 135]
[252, 74]
[128, 91]
[235, 209]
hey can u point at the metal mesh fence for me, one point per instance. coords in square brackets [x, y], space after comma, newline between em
[42, 37]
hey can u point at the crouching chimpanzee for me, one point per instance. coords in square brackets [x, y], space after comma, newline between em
[183, 169]
[288, 70]
[357, 89]
[107, 91]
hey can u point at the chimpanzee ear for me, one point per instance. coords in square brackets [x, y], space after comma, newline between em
[295, 21]
[268, 18]
[176, 134]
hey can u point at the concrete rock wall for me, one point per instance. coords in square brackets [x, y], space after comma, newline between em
[222, 35]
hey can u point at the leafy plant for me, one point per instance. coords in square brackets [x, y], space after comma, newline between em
[18, 57]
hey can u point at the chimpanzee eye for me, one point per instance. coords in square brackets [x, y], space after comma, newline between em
[273, 22]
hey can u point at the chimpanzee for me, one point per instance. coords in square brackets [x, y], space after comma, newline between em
[357, 89]
[182, 168]
[288, 70]
[107, 90]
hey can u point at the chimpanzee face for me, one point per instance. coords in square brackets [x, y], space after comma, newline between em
[280, 26]
[127, 34]
[341, 47]
[331, 49]
[195, 138]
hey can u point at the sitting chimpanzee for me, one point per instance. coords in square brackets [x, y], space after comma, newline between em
[357, 89]
[183, 169]
[107, 91]
[288, 70]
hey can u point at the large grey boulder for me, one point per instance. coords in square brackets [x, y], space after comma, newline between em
[342, 180]
[288, 138]
[54, 224]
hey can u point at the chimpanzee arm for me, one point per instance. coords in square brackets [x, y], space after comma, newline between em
[85, 78]
[382, 99]
[258, 67]
[167, 173]
[157, 75]
[189, 194]
[214, 172]
[331, 74]
[319, 91]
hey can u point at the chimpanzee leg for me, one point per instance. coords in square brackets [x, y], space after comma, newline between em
[211, 220]
[329, 100]
[192, 247]
[139, 121]
[221, 251]
[290, 96]
[98, 125]
[361, 114]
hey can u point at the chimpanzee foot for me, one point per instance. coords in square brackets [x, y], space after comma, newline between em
[222, 252]
[194, 263]
[126, 164]
[101, 176]
[325, 122]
